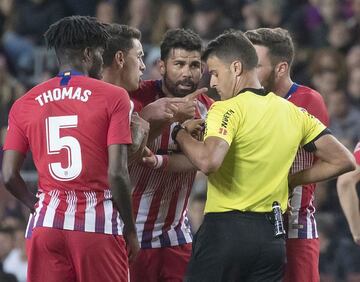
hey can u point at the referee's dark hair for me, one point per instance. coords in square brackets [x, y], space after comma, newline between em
[76, 33]
[179, 38]
[121, 39]
[277, 40]
[230, 46]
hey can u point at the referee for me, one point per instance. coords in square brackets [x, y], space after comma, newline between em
[250, 143]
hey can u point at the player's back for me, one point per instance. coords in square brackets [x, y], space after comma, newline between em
[66, 124]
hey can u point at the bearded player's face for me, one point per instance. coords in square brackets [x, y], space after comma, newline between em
[181, 71]
[265, 70]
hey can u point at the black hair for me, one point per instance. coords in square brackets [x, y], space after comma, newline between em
[76, 32]
[179, 38]
[231, 46]
[121, 38]
[277, 40]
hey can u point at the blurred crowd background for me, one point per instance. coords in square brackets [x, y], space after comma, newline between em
[327, 40]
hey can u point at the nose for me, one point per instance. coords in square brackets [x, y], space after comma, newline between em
[142, 65]
[186, 71]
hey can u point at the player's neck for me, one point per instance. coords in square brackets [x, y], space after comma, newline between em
[166, 91]
[73, 67]
[282, 87]
[111, 77]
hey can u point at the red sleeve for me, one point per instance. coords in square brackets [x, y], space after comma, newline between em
[357, 153]
[15, 137]
[313, 102]
[119, 128]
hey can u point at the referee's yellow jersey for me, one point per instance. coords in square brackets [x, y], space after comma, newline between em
[264, 132]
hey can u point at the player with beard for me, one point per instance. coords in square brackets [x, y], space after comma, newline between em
[275, 51]
[77, 128]
[161, 192]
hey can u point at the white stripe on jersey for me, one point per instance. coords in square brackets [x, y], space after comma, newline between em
[90, 213]
[294, 212]
[108, 211]
[51, 208]
[69, 215]
[39, 208]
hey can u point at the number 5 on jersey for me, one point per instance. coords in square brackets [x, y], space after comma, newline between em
[55, 144]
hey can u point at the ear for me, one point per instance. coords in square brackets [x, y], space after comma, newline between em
[87, 54]
[281, 69]
[162, 67]
[237, 67]
[119, 58]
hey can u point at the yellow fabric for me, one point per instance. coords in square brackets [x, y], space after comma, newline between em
[264, 134]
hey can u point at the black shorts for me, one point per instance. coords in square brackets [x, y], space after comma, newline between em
[236, 246]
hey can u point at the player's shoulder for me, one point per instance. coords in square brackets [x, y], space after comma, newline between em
[147, 88]
[307, 93]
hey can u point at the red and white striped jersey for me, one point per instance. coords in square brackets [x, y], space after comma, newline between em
[300, 215]
[159, 197]
[68, 122]
[357, 153]
[87, 211]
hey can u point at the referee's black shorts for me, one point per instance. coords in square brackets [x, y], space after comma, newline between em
[236, 246]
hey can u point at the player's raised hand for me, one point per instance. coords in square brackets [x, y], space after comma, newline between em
[162, 109]
[187, 109]
[139, 133]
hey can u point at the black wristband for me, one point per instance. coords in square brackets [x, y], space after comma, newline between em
[175, 132]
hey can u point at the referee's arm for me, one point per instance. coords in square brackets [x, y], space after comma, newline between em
[333, 159]
[206, 155]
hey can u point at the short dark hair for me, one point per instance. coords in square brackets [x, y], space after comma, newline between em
[231, 46]
[76, 32]
[120, 39]
[179, 38]
[277, 40]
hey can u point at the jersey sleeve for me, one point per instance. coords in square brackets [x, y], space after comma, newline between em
[357, 153]
[311, 126]
[222, 122]
[16, 138]
[119, 128]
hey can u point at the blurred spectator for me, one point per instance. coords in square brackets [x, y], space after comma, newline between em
[106, 11]
[348, 260]
[250, 16]
[208, 20]
[270, 13]
[173, 16]
[10, 90]
[339, 36]
[353, 87]
[354, 21]
[353, 58]
[16, 261]
[344, 119]
[6, 244]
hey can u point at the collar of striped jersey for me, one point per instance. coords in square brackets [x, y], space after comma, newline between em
[69, 73]
[66, 76]
[291, 91]
[257, 91]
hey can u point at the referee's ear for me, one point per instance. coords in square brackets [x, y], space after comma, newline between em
[237, 67]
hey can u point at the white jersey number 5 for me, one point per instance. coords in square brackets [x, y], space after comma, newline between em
[55, 144]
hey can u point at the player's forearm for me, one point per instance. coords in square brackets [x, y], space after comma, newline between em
[320, 171]
[179, 163]
[15, 184]
[349, 202]
[121, 192]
